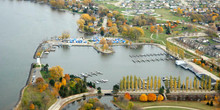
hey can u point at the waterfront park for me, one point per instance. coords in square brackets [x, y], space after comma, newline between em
[118, 66]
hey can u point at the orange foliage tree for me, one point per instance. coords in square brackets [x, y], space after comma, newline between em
[127, 96]
[31, 107]
[160, 98]
[56, 72]
[152, 97]
[67, 77]
[143, 98]
[64, 81]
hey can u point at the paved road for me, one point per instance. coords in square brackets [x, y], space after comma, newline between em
[169, 107]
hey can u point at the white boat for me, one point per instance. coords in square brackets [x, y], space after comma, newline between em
[165, 78]
[46, 52]
[104, 80]
[180, 62]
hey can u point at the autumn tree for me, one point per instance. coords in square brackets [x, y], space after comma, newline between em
[190, 84]
[155, 83]
[175, 84]
[136, 32]
[187, 83]
[105, 46]
[56, 72]
[102, 31]
[86, 18]
[159, 83]
[143, 84]
[179, 82]
[109, 23]
[81, 23]
[113, 30]
[147, 83]
[160, 29]
[53, 3]
[132, 83]
[171, 83]
[109, 15]
[152, 29]
[209, 84]
[143, 98]
[151, 83]
[31, 107]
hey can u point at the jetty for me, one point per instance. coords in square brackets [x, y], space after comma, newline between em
[151, 60]
[148, 55]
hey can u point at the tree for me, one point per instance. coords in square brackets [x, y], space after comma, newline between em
[187, 81]
[147, 83]
[143, 98]
[194, 83]
[115, 89]
[64, 81]
[121, 85]
[190, 84]
[202, 82]
[57, 85]
[103, 41]
[109, 15]
[171, 83]
[159, 83]
[216, 85]
[105, 47]
[205, 85]
[143, 84]
[179, 82]
[93, 18]
[124, 83]
[209, 84]
[86, 18]
[128, 82]
[152, 29]
[56, 72]
[175, 84]
[31, 107]
[39, 80]
[139, 83]
[160, 98]
[166, 83]
[160, 29]
[151, 97]
[161, 90]
[136, 84]
[113, 30]
[67, 77]
[151, 83]
[155, 83]
[130, 105]
[183, 86]
[102, 31]
[179, 11]
[53, 3]
[136, 32]
[127, 96]
[52, 82]
[109, 23]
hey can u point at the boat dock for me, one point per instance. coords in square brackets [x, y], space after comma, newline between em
[148, 55]
[151, 60]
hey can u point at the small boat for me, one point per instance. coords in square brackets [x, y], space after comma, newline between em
[165, 78]
[46, 52]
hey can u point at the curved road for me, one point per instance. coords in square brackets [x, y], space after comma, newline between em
[170, 107]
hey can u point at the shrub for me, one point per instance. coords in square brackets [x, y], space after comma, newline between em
[127, 96]
[52, 82]
[211, 104]
[161, 90]
[160, 98]
[143, 98]
[130, 105]
[207, 103]
[152, 97]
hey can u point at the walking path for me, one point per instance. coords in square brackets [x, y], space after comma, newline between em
[61, 101]
[169, 107]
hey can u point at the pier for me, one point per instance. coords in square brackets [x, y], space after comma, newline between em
[148, 55]
[151, 60]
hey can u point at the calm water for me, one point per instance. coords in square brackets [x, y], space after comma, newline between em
[23, 25]
[76, 60]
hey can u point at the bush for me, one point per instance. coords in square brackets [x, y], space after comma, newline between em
[152, 97]
[160, 98]
[161, 90]
[52, 82]
[143, 98]
[127, 96]
[211, 104]
[207, 103]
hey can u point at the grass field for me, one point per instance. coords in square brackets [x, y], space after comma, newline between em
[32, 95]
[166, 14]
[190, 104]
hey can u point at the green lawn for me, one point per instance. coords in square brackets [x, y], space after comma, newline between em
[32, 95]
[166, 14]
[166, 108]
[190, 104]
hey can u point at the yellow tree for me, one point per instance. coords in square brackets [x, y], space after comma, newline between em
[159, 83]
[202, 82]
[187, 78]
[139, 83]
[183, 86]
[197, 85]
[105, 47]
[113, 30]
[53, 3]
[179, 11]
[194, 83]
[155, 83]
[209, 84]
[136, 32]
[109, 15]
[60, 3]
[179, 83]
[103, 41]
[190, 84]
[64, 81]
[151, 83]
[143, 84]
[216, 85]
[86, 17]
[132, 83]
[175, 84]
[124, 83]
[205, 85]
[121, 85]
[31, 107]
[160, 29]
[81, 23]
[147, 83]
[171, 83]
[152, 29]
[136, 85]
[56, 72]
